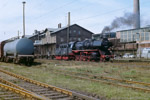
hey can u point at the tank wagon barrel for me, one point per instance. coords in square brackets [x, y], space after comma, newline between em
[22, 46]
[18, 51]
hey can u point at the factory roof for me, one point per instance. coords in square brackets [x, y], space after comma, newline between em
[104, 33]
[148, 27]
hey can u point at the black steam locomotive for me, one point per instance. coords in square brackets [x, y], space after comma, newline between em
[87, 50]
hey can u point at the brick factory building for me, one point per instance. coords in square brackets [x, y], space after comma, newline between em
[127, 41]
[48, 40]
[132, 39]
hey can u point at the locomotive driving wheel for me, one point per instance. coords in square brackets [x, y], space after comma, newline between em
[2, 59]
[14, 61]
[102, 60]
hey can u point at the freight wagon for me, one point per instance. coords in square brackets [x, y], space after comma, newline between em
[17, 51]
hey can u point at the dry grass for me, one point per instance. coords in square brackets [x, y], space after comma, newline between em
[128, 71]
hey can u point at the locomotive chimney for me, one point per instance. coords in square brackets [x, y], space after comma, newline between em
[137, 14]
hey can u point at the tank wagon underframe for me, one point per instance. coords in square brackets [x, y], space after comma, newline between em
[26, 59]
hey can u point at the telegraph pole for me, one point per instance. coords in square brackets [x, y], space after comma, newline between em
[68, 32]
[23, 18]
[68, 27]
[18, 34]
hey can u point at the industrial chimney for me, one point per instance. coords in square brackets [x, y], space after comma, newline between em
[137, 14]
[59, 25]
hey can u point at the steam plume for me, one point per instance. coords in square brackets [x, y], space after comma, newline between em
[126, 20]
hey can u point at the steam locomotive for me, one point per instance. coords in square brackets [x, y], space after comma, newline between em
[17, 51]
[87, 50]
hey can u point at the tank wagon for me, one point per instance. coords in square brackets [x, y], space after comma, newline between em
[17, 51]
[87, 50]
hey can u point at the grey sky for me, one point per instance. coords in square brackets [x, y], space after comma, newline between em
[40, 14]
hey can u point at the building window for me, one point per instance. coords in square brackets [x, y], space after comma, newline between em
[142, 36]
[121, 37]
[124, 36]
[79, 32]
[74, 31]
[134, 37]
[79, 39]
[62, 39]
[137, 36]
[129, 37]
[147, 36]
[70, 39]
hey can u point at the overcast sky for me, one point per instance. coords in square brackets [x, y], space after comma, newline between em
[40, 14]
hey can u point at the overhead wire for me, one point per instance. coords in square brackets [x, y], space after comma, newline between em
[78, 20]
[5, 4]
[96, 25]
[98, 15]
[82, 19]
[49, 12]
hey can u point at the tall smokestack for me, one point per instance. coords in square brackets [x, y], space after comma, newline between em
[137, 14]
[68, 18]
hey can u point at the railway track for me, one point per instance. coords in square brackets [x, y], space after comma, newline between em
[39, 89]
[17, 89]
[8, 95]
[106, 80]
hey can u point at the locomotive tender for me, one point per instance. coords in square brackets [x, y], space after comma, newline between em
[87, 50]
[18, 51]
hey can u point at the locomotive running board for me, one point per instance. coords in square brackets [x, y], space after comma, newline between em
[25, 55]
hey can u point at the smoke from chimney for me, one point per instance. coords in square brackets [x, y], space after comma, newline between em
[126, 20]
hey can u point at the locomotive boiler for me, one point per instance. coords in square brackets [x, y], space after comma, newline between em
[18, 51]
[87, 50]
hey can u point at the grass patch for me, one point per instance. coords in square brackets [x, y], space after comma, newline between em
[44, 74]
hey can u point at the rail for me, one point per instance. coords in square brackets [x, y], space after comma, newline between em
[105, 82]
[67, 92]
[21, 92]
[104, 77]
[20, 88]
